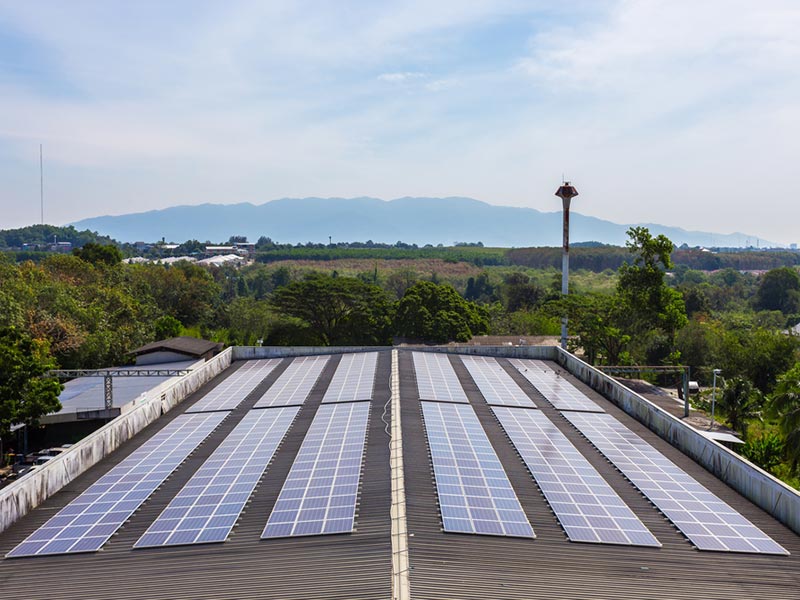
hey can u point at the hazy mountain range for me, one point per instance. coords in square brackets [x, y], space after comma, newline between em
[411, 220]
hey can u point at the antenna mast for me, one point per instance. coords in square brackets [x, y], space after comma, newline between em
[41, 181]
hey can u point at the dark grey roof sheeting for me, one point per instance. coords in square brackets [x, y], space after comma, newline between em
[184, 344]
[356, 565]
[443, 566]
[455, 567]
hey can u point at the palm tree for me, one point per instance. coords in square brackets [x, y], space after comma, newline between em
[785, 404]
[740, 402]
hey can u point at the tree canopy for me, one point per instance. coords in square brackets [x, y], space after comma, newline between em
[25, 396]
[437, 313]
[779, 290]
[785, 404]
[340, 310]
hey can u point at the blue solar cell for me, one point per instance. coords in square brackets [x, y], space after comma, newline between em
[216, 494]
[324, 476]
[557, 391]
[354, 378]
[495, 384]
[232, 391]
[705, 519]
[87, 522]
[295, 383]
[475, 495]
[586, 506]
[436, 379]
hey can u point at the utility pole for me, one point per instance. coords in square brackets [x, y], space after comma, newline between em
[566, 192]
[41, 182]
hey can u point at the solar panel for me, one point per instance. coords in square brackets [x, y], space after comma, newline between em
[87, 522]
[704, 518]
[585, 505]
[231, 393]
[557, 391]
[436, 379]
[208, 506]
[321, 490]
[496, 385]
[295, 383]
[354, 378]
[475, 495]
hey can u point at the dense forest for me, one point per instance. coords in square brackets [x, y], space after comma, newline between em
[648, 303]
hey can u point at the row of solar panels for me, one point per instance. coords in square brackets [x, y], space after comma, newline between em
[475, 495]
[320, 492]
[318, 497]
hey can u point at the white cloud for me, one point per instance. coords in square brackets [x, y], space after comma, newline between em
[674, 112]
[400, 77]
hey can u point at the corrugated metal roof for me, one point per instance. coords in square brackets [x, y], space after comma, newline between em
[358, 565]
[184, 344]
[454, 567]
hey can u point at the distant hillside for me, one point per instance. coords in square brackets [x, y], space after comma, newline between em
[411, 220]
[47, 234]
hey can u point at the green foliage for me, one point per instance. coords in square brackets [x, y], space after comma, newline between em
[597, 325]
[651, 304]
[339, 310]
[167, 326]
[765, 450]
[46, 234]
[740, 402]
[779, 290]
[248, 321]
[185, 291]
[437, 313]
[25, 395]
[592, 259]
[472, 254]
[479, 289]
[99, 254]
[785, 405]
[520, 293]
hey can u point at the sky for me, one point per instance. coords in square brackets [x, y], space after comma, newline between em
[678, 112]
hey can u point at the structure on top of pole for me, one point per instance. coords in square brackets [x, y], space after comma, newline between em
[566, 192]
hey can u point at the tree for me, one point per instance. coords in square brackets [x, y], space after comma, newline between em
[520, 293]
[249, 320]
[651, 304]
[99, 253]
[24, 394]
[437, 313]
[340, 310]
[167, 326]
[596, 323]
[779, 290]
[740, 402]
[785, 405]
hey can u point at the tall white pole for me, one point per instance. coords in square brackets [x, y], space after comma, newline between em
[565, 201]
[566, 192]
[41, 182]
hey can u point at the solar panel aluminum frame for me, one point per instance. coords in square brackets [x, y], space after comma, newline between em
[474, 492]
[86, 523]
[585, 505]
[320, 494]
[209, 505]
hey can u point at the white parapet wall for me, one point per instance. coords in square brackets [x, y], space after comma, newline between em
[752, 482]
[254, 352]
[22, 496]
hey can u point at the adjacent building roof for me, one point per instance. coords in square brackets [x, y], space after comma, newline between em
[359, 564]
[184, 345]
[83, 395]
